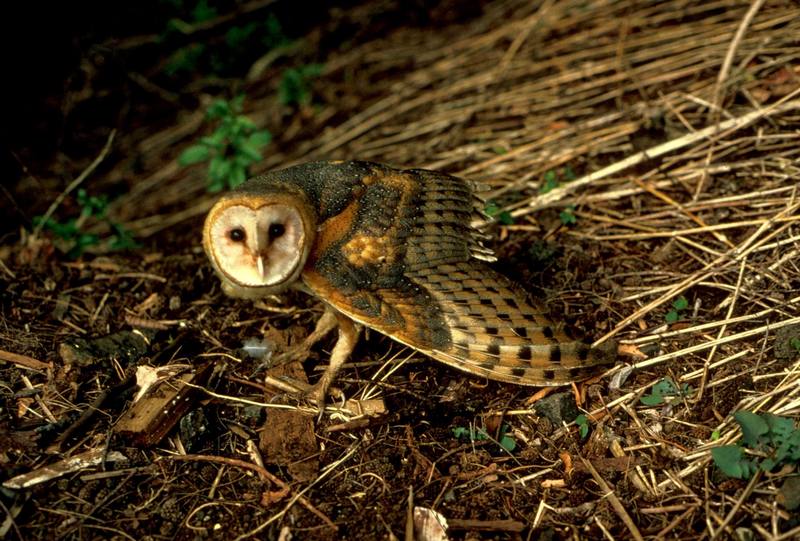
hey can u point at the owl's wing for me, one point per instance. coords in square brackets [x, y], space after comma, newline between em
[403, 259]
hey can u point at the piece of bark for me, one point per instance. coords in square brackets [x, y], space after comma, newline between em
[161, 407]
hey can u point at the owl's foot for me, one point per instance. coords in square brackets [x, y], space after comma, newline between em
[348, 336]
[325, 324]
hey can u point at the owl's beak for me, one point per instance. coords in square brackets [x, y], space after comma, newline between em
[260, 266]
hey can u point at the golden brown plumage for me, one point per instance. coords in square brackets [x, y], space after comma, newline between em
[394, 250]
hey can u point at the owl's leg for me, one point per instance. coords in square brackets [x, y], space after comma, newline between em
[325, 324]
[348, 336]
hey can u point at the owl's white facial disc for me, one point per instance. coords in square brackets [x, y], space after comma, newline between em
[260, 247]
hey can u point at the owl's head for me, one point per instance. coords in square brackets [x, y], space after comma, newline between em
[258, 243]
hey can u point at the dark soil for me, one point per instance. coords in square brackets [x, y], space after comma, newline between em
[86, 324]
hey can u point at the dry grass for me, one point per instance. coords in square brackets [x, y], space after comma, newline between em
[681, 120]
[714, 192]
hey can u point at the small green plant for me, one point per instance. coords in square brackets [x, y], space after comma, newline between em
[567, 215]
[71, 232]
[795, 343]
[774, 440]
[294, 88]
[185, 59]
[231, 149]
[472, 434]
[553, 178]
[583, 425]
[666, 392]
[493, 211]
[202, 12]
[678, 306]
[229, 57]
[549, 181]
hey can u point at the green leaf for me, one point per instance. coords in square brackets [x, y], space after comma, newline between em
[248, 151]
[260, 139]
[583, 425]
[218, 109]
[122, 239]
[672, 316]
[236, 37]
[781, 428]
[294, 84]
[662, 389]
[470, 434]
[216, 140]
[568, 174]
[680, 303]
[203, 12]
[549, 184]
[244, 124]
[237, 176]
[508, 443]
[219, 168]
[665, 386]
[311, 70]
[184, 59]
[795, 343]
[215, 185]
[92, 205]
[273, 33]
[67, 231]
[567, 217]
[237, 103]
[194, 154]
[753, 427]
[768, 464]
[505, 218]
[652, 400]
[715, 435]
[730, 459]
[491, 208]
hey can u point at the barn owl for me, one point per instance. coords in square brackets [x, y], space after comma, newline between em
[393, 250]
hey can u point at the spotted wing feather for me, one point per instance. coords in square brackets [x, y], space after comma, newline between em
[402, 258]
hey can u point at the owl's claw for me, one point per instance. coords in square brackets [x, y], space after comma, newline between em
[318, 394]
[348, 335]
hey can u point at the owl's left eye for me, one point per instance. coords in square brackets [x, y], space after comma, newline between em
[236, 234]
[276, 230]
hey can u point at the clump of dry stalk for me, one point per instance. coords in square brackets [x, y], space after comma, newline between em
[681, 120]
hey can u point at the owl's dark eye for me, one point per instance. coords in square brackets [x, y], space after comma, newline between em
[236, 234]
[276, 230]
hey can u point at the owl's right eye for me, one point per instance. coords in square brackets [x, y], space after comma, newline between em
[236, 234]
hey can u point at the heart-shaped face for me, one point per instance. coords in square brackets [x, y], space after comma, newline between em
[256, 245]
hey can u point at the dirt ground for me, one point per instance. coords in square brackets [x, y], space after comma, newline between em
[643, 165]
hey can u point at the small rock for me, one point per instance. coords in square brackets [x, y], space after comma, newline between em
[558, 408]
